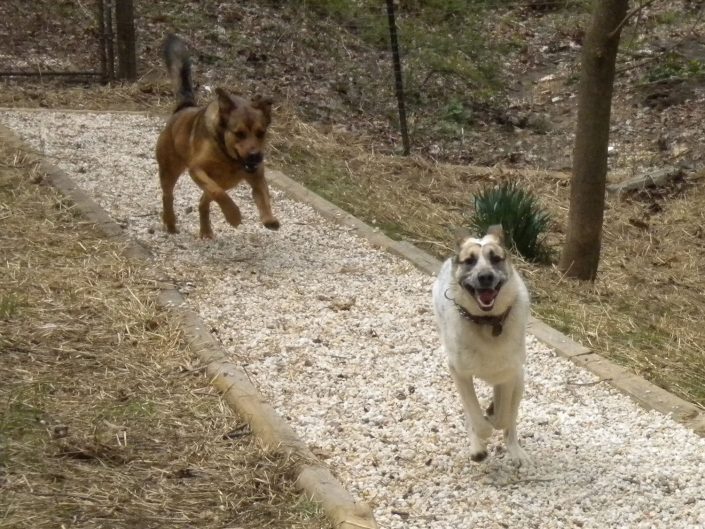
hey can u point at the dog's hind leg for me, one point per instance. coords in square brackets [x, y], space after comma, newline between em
[204, 206]
[516, 452]
[479, 428]
[168, 175]
[260, 194]
[499, 410]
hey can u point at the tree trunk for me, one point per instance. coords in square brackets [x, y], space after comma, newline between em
[125, 29]
[581, 253]
[398, 84]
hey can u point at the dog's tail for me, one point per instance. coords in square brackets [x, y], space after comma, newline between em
[178, 63]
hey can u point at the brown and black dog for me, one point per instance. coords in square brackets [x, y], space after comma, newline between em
[220, 145]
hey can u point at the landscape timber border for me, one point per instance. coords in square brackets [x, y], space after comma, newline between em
[314, 478]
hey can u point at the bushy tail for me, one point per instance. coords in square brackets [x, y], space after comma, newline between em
[178, 63]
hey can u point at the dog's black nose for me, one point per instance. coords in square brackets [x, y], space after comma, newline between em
[253, 159]
[486, 279]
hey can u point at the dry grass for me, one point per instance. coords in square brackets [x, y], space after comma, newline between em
[104, 420]
[645, 309]
[152, 92]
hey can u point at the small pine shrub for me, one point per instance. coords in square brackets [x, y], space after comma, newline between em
[524, 221]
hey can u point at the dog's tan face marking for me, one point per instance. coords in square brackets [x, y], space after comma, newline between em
[244, 127]
[482, 268]
[470, 253]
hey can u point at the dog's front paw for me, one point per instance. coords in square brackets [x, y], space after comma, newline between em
[479, 433]
[272, 224]
[478, 448]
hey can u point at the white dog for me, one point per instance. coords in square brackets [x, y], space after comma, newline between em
[482, 307]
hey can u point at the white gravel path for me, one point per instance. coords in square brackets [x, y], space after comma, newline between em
[340, 338]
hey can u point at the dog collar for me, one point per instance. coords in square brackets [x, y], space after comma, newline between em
[221, 144]
[496, 322]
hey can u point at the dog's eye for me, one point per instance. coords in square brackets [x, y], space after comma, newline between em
[259, 134]
[496, 259]
[241, 134]
[470, 261]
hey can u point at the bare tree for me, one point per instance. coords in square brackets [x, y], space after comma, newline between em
[125, 29]
[581, 253]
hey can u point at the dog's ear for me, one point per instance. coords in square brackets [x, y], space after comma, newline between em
[226, 104]
[265, 105]
[497, 232]
[461, 235]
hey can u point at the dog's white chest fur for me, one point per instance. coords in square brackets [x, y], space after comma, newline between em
[472, 348]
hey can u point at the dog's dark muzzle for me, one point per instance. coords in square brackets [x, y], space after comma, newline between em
[484, 288]
[486, 280]
[252, 162]
[481, 282]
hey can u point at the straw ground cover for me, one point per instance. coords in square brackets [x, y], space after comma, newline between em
[104, 419]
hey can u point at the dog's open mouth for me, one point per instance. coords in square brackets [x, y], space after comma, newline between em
[485, 297]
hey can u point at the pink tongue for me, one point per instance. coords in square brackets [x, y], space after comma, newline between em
[486, 296]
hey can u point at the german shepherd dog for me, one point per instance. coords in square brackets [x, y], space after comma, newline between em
[482, 307]
[219, 144]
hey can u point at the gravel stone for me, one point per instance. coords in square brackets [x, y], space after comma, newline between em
[331, 331]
